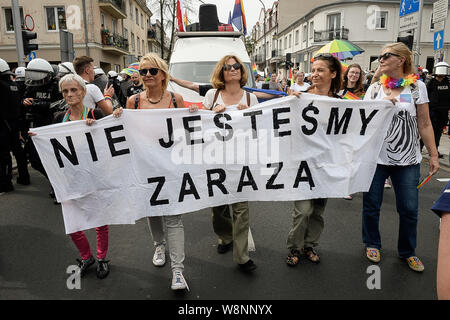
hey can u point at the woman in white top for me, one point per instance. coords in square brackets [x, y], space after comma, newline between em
[400, 155]
[299, 85]
[228, 78]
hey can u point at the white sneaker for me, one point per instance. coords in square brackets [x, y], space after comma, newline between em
[178, 281]
[387, 184]
[159, 258]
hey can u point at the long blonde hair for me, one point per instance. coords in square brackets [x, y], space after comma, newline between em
[402, 50]
[217, 78]
[153, 58]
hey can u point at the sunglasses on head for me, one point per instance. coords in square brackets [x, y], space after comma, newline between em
[236, 66]
[153, 71]
[387, 56]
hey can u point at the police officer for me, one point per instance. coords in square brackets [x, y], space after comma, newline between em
[41, 92]
[9, 131]
[439, 94]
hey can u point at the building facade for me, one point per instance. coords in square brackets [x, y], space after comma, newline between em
[368, 24]
[117, 30]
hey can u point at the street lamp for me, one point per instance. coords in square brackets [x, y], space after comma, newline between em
[264, 46]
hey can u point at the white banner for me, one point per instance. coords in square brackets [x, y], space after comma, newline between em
[169, 161]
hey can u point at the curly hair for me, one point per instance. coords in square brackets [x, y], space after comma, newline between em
[359, 86]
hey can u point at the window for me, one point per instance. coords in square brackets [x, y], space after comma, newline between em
[125, 33]
[131, 11]
[290, 40]
[133, 45]
[334, 21]
[142, 21]
[114, 26]
[143, 47]
[305, 33]
[431, 23]
[381, 19]
[297, 36]
[285, 42]
[137, 16]
[138, 45]
[102, 19]
[56, 18]
[311, 29]
[9, 19]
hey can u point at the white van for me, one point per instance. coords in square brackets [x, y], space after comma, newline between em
[195, 55]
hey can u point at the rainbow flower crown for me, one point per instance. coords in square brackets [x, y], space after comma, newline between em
[392, 83]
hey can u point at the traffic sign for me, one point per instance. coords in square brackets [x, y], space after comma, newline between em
[409, 15]
[408, 7]
[32, 55]
[29, 22]
[440, 11]
[438, 40]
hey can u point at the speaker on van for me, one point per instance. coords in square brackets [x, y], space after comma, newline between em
[208, 17]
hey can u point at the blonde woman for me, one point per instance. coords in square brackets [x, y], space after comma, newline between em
[400, 155]
[155, 77]
[229, 76]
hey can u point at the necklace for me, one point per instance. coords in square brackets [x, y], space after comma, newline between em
[68, 113]
[155, 102]
[392, 83]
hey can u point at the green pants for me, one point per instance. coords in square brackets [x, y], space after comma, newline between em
[233, 228]
[307, 223]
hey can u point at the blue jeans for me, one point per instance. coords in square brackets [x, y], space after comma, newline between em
[404, 181]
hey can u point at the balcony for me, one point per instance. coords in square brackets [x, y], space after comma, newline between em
[277, 56]
[331, 34]
[259, 58]
[114, 43]
[116, 8]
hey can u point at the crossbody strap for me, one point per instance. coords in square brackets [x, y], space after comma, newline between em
[136, 101]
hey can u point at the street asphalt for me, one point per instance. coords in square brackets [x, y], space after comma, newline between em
[35, 253]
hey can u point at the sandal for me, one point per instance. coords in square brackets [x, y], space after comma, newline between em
[293, 258]
[373, 254]
[311, 255]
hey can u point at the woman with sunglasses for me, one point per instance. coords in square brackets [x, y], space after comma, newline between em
[307, 216]
[228, 78]
[155, 77]
[400, 154]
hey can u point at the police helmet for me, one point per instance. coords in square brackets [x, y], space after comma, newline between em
[98, 72]
[39, 72]
[20, 74]
[4, 68]
[65, 68]
[441, 69]
[112, 74]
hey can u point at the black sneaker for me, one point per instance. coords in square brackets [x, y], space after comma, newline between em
[25, 181]
[102, 268]
[224, 248]
[440, 156]
[248, 266]
[85, 264]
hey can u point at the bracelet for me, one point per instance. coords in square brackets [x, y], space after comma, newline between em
[108, 98]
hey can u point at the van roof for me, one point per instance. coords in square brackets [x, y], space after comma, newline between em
[197, 34]
[190, 48]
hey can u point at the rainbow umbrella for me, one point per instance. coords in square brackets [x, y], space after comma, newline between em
[341, 49]
[134, 66]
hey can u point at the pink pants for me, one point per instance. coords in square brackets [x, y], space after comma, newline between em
[82, 243]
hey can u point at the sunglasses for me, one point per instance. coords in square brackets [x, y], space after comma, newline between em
[153, 71]
[236, 66]
[387, 56]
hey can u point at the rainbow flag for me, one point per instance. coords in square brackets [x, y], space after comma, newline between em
[351, 96]
[421, 184]
[238, 17]
[254, 68]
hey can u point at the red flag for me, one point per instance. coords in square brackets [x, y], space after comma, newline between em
[180, 16]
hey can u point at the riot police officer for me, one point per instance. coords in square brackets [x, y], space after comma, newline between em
[41, 92]
[9, 131]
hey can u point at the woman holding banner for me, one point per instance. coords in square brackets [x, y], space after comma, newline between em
[400, 155]
[299, 85]
[307, 220]
[229, 76]
[73, 90]
[155, 77]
